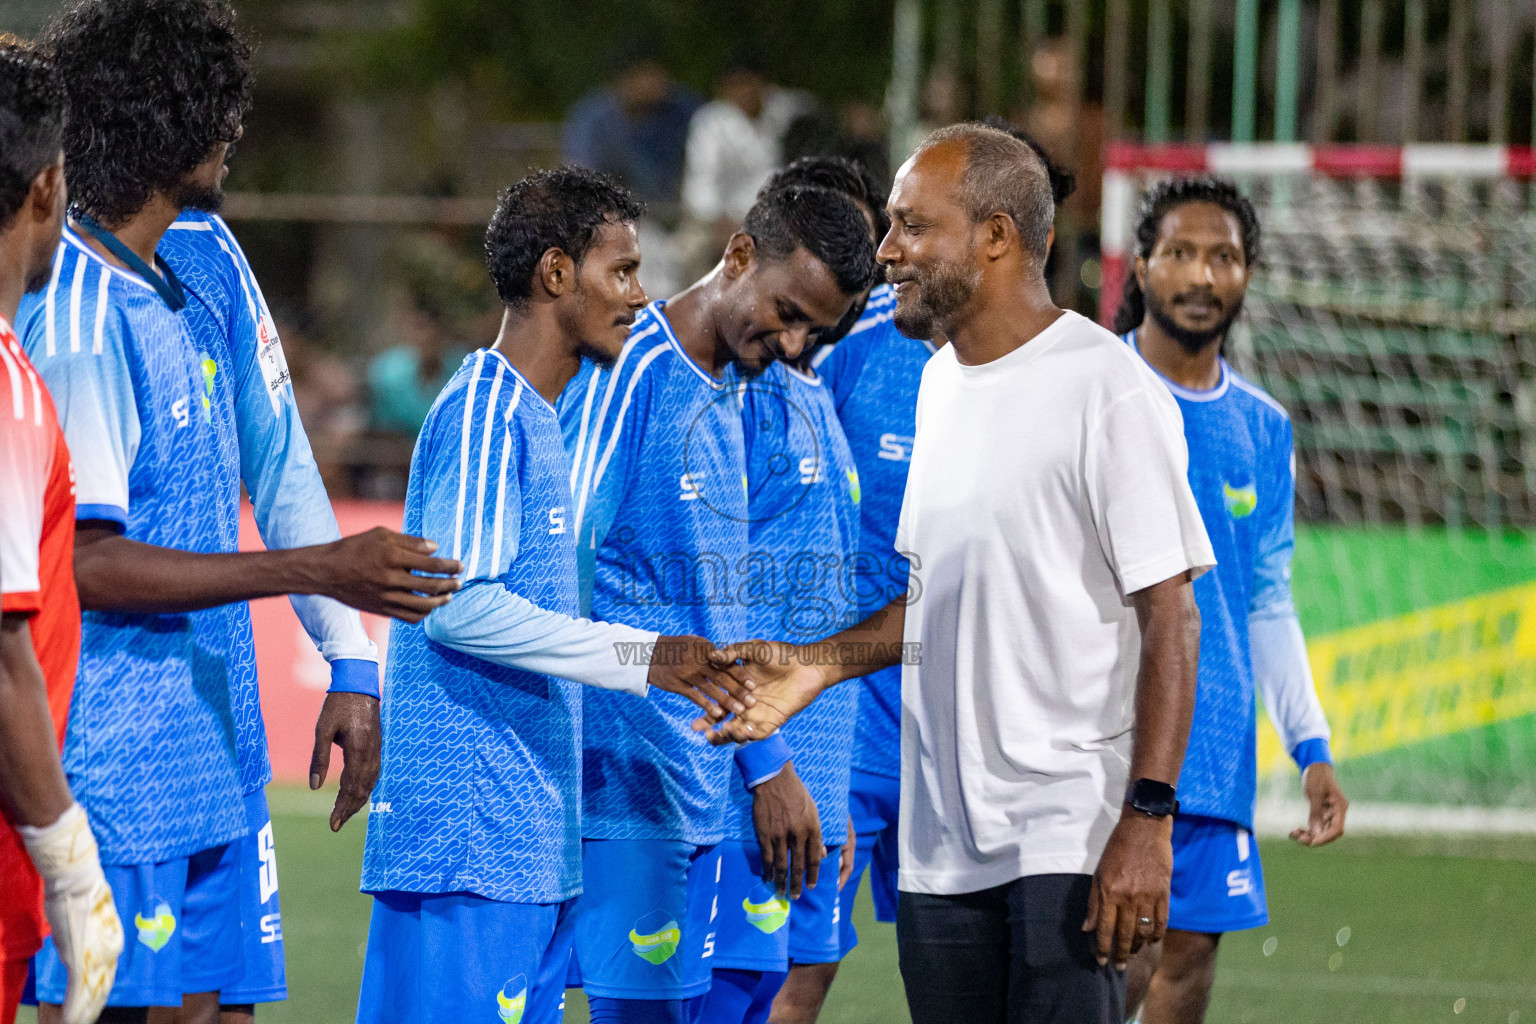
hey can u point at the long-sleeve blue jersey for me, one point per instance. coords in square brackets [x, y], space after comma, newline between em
[481, 784]
[874, 373]
[797, 580]
[230, 323]
[1242, 472]
[151, 748]
[658, 475]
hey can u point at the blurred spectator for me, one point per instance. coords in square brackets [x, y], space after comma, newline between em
[635, 128]
[404, 380]
[328, 394]
[1071, 128]
[858, 133]
[734, 143]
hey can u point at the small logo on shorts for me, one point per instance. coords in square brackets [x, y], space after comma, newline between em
[766, 909]
[156, 929]
[510, 1007]
[655, 937]
[1240, 501]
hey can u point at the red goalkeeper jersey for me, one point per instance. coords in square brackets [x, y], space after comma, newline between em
[37, 580]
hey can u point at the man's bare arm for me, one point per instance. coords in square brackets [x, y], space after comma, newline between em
[377, 571]
[787, 677]
[1128, 904]
[31, 777]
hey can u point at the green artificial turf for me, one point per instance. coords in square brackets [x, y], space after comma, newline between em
[1373, 929]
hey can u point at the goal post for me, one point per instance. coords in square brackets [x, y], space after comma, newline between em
[1393, 313]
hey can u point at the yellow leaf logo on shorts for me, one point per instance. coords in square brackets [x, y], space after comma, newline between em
[510, 1008]
[1240, 501]
[659, 938]
[768, 912]
[854, 491]
[156, 931]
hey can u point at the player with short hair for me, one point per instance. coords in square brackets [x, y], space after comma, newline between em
[473, 854]
[50, 871]
[1197, 243]
[659, 478]
[873, 374]
[234, 331]
[803, 507]
[159, 744]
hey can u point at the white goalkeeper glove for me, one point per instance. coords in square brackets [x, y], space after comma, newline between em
[78, 904]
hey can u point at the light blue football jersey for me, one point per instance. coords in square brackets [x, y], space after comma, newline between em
[874, 373]
[151, 747]
[232, 327]
[1242, 471]
[480, 788]
[797, 580]
[658, 475]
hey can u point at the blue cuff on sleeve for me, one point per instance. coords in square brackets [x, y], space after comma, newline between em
[105, 513]
[1310, 752]
[354, 675]
[760, 761]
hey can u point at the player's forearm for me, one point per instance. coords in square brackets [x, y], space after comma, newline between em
[859, 650]
[1284, 677]
[31, 778]
[489, 622]
[1165, 683]
[115, 574]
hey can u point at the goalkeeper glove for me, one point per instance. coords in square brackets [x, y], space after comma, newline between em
[78, 904]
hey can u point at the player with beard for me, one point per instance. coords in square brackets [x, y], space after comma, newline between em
[156, 90]
[1197, 242]
[1053, 539]
[660, 518]
[50, 872]
[474, 847]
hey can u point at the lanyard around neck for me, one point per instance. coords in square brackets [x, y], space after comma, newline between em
[165, 282]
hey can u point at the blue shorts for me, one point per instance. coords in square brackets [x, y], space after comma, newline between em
[181, 923]
[456, 957]
[645, 922]
[873, 801]
[1218, 883]
[261, 913]
[816, 918]
[752, 923]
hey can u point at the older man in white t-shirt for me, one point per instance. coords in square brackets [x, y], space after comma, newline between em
[1054, 540]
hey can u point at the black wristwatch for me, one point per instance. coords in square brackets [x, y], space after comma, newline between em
[1152, 798]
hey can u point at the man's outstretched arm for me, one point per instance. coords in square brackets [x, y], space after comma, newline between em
[1128, 904]
[787, 677]
[378, 571]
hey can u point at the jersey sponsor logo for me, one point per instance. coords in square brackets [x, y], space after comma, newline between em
[210, 371]
[655, 937]
[810, 471]
[156, 929]
[266, 852]
[895, 448]
[692, 489]
[1240, 501]
[767, 910]
[380, 807]
[1239, 882]
[557, 519]
[512, 1000]
[179, 412]
[271, 928]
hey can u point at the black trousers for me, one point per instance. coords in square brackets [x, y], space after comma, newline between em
[1015, 954]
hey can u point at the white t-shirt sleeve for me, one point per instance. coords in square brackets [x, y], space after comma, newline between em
[1136, 466]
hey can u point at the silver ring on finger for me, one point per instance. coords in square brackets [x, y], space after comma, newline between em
[1145, 922]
